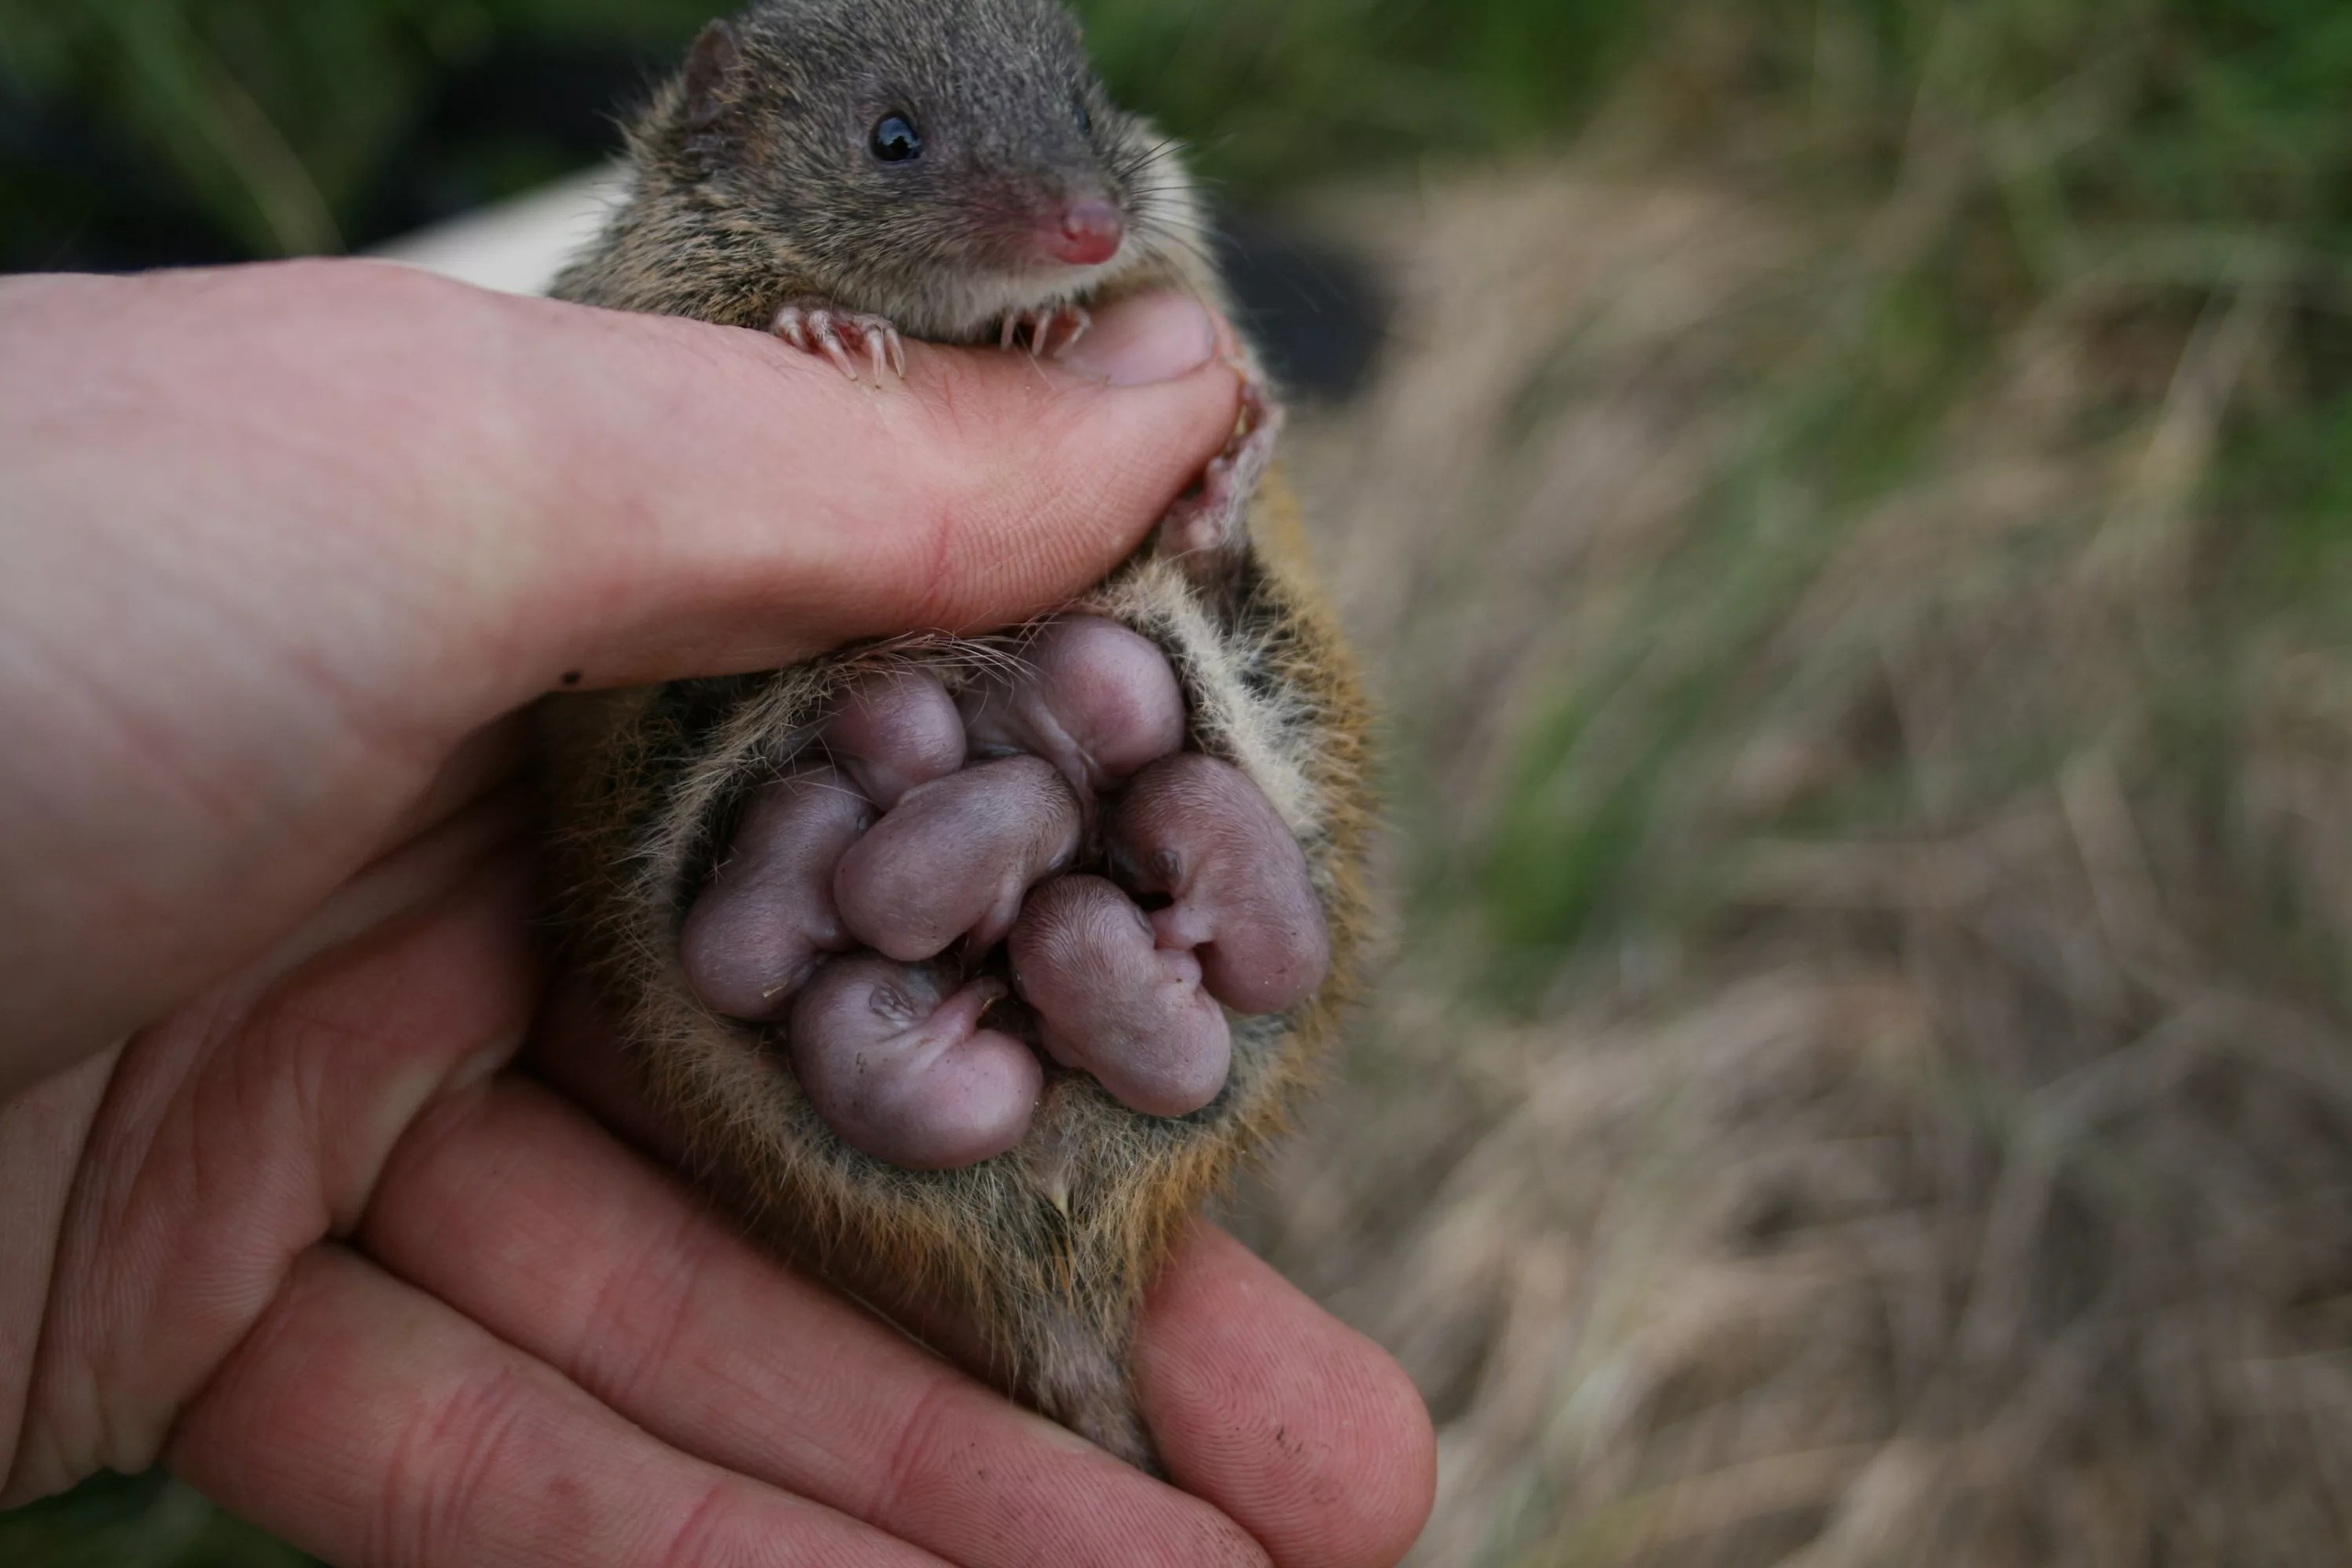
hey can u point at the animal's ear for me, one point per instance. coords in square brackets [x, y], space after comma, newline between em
[713, 70]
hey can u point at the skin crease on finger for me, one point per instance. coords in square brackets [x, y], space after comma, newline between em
[316, 582]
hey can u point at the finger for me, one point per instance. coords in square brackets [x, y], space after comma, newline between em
[774, 509]
[1295, 1425]
[369, 1424]
[234, 1136]
[593, 1262]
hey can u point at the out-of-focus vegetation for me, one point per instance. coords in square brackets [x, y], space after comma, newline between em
[1870, 644]
[2130, 170]
[277, 127]
[1968, 649]
[259, 128]
[147, 1521]
[281, 123]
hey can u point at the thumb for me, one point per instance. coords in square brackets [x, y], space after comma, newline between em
[720, 501]
[275, 540]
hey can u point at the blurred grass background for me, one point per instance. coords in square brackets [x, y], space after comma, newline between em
[1855, 530]
[256, 127]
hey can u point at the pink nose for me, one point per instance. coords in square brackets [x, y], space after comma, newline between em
[1088, 235]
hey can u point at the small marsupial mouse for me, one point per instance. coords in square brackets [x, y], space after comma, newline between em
[970, 967]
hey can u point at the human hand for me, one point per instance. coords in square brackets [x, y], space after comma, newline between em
[286, 548]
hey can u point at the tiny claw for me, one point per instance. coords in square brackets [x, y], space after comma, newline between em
[831, 341]
[1039, 327]
[817, 326]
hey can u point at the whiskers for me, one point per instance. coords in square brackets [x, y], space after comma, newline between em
[1164, 214]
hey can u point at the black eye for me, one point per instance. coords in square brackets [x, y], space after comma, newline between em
[895, 140]
[1085, 118]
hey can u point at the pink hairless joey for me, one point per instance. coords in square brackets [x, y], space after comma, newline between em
[767, 919]
[1199, 832]
[1090, 696]
[892, 730]
[894, 1057]
[1111, 1002]
[954, 858]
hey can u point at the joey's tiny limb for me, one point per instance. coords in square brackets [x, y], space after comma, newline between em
[819, 326]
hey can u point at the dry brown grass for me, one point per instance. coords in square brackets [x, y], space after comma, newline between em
[1945, 1154]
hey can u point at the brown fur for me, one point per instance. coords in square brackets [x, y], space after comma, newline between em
[1046, 1250]
[746, 191]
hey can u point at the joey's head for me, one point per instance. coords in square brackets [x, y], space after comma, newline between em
[942, 162]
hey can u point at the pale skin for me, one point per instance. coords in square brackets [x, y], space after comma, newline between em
[320, 1189]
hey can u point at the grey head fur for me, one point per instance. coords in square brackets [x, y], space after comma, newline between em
[758, 177]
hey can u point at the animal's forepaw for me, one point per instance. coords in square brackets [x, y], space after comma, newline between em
[819, 326]
[1206, 531]
[1047, 333]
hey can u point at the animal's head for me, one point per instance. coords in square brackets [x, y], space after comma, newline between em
[941, 163]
